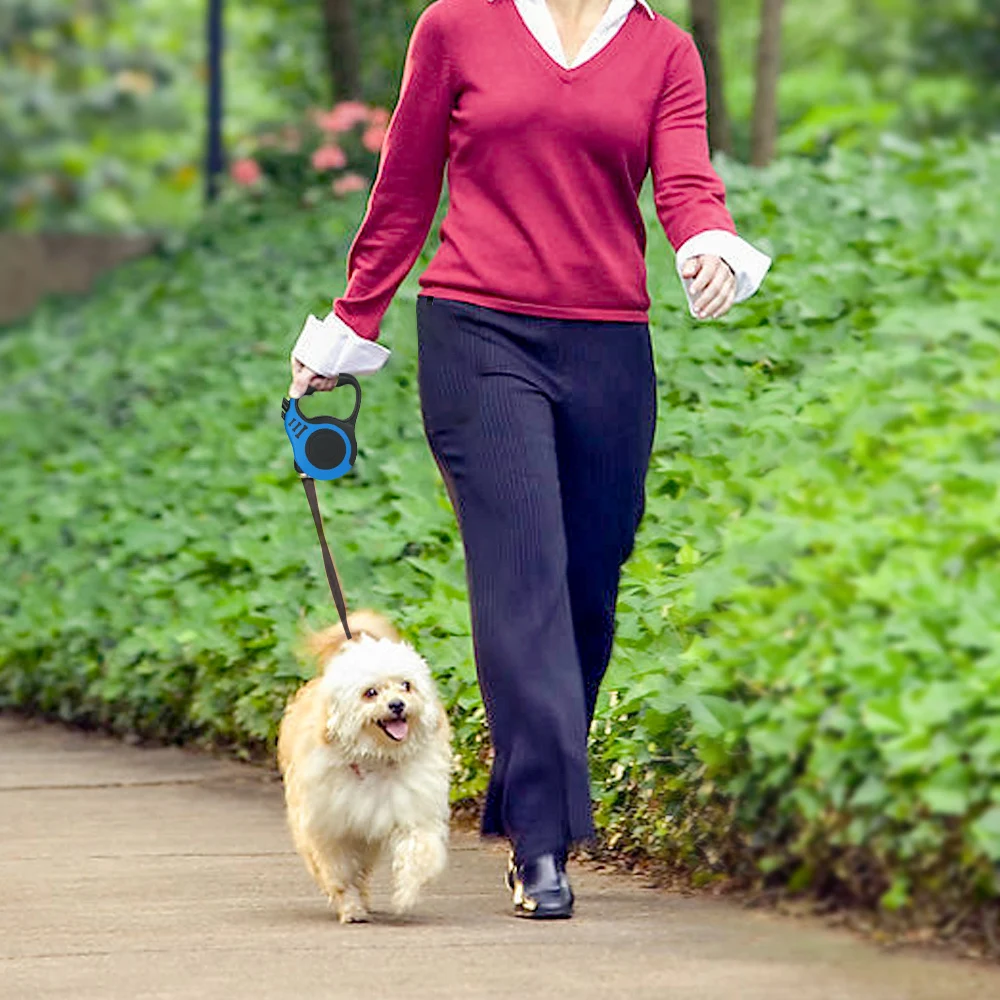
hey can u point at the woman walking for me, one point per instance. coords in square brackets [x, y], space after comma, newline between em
[535, 367]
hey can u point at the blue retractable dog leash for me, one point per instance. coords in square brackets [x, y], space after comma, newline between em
[324, 448]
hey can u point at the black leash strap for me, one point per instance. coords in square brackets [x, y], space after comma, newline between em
[309, 485]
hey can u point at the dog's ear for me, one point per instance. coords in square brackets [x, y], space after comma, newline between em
[373, 624]
[323, 644]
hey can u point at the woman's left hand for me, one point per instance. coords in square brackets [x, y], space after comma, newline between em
[305, 378]
[713, 288]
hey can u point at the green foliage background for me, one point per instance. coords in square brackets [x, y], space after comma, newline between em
[101, 103]
[805, 686]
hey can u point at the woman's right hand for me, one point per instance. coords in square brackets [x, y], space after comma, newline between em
[303, 378]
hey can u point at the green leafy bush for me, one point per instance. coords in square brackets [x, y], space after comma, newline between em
[805, 687]
[102, 104]
[82, 104]
[819, 573]
[102, 111]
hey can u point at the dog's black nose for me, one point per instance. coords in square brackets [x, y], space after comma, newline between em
[396, 707]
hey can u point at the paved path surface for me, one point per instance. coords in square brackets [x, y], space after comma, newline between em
[133, 873]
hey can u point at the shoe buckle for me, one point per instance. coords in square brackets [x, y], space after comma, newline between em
[522, 899]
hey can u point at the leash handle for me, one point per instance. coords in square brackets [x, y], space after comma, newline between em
[325, 447]
[345, 378]
[309, 485]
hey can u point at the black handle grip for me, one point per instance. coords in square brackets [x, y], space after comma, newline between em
[344, 379]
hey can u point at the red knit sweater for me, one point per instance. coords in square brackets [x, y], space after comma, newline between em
[544, 168]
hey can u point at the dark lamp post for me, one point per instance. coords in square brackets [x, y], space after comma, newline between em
[215, 157]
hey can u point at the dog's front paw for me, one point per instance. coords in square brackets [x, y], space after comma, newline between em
[405, 897]
[350, 909]
[418, 857]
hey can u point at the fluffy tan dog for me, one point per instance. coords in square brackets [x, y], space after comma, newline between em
[364, 751]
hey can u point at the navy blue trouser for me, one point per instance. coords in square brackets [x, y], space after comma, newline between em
[542, 429]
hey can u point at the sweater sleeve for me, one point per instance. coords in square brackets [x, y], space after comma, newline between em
[689, 195]
[407, 188]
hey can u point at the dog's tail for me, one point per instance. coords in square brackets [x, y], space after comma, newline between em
[323, 644]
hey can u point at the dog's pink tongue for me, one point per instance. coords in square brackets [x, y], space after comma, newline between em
[397, 728]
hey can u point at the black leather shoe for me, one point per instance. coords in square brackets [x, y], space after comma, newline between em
[512, 869]
[541, 889]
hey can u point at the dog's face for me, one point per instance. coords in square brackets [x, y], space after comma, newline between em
[380, 699]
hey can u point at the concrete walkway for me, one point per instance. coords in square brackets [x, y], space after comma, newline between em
[134, 873]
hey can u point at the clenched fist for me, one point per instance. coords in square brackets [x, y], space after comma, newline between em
[305, 378]
[713, 289]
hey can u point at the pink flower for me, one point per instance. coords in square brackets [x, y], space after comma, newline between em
[329, 158]
[328, 121]
[245, 172]
[378, 116]
[349, 183]
[373, 138]
[343, 117]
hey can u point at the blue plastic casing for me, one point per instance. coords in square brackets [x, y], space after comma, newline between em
[324, 447]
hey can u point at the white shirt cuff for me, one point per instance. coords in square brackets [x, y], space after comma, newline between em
[330, 347]
[748, 263]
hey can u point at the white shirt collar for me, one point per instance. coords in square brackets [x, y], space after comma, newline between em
[642, 3]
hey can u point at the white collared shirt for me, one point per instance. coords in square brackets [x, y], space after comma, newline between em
[540, 22]
[330, 347]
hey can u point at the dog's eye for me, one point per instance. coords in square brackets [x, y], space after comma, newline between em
[405, 685]
[371, 693]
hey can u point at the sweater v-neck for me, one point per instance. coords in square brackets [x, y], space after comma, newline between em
[576, 73]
